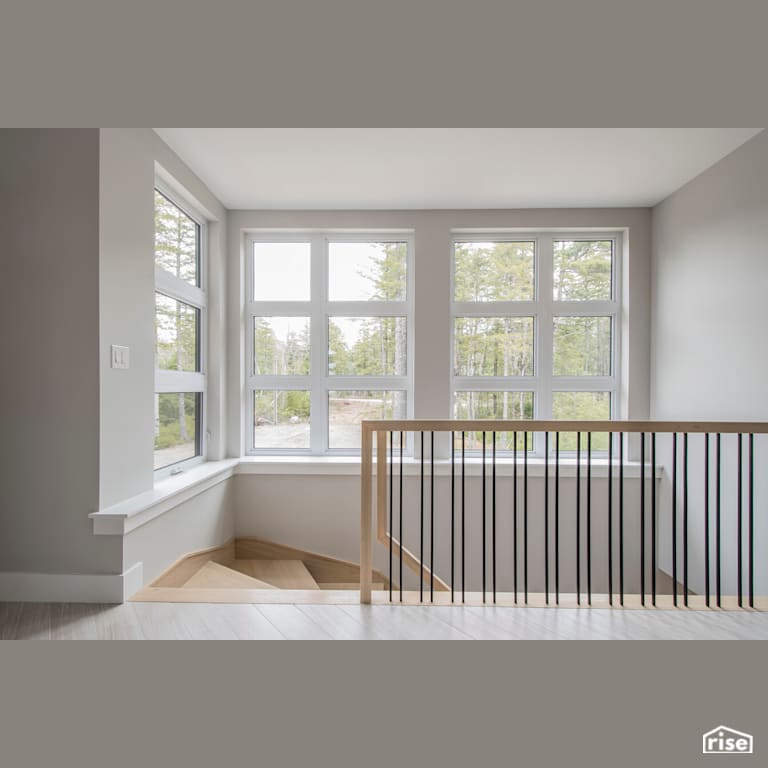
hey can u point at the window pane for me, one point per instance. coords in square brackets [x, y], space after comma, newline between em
[281, 419]
[367, 271]
[582, 406]
[493, 405]
[177, 427]
[493, 346]
[177, 240]
[280, 346]
[366, 346]
[347, 409]
[176, 335]
[582, 270]
[494, 271]
[582, 346]
[281, 271]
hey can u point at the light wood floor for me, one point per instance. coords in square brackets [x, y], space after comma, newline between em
[176, 621]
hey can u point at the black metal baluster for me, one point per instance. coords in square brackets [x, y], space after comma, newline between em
[642, 519]
[483, 526]
[432, 517]
[493, 519]
[739, 482]
[546, 518]
[610, 518]
[674, 519]
[621, 519]
[557, 518]
[391, 503]
[654, 565]
[706, 517]
[421, 526]
[717, 518]
[401, 516]
[453, 511]
[578, 518]
[685, 519]
[463, 518]
[751, 521]
[514, 511]
[525, 518]
[589, 518]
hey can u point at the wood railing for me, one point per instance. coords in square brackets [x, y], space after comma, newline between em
[566, 513]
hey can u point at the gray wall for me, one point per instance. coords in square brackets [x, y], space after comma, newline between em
[49, 347]
[77, 276]
[709, 310]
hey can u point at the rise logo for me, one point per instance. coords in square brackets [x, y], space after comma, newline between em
[727, 741]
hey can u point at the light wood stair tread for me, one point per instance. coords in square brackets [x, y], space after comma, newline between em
[216, 576]
[283, 574]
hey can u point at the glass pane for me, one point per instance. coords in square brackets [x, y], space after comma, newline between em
[347, 409]
[582, 346]
[493, 405]
[176, 333]
[493, 346]
[582, 406]
[281, 271]
[280, 346]
[281, 419]
[582, 270]
[366, 346]
[494, 271]
[177, 427]
[367, 271]
[177, 239]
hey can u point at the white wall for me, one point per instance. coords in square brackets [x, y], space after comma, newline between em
[709, 312]
[130, 160]
[49, 347]
[207, 520]
[321, 513]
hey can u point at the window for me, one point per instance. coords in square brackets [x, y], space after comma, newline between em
[535, 327]
[179, 332]
[328, 338]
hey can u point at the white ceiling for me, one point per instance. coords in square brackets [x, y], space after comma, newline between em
[402, 168]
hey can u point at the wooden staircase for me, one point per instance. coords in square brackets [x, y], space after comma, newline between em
[256, 571]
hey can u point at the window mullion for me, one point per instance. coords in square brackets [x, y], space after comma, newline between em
[544, 328]
[318, 436]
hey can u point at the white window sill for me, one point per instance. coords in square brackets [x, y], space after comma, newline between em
[168, 493]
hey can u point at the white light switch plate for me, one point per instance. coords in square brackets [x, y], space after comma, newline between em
[121, 356]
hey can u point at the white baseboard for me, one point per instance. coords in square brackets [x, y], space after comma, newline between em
[71, 587]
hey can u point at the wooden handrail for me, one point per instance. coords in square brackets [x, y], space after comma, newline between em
[375, 431]
[561, 425]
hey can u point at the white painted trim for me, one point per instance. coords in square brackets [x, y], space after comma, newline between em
[71, 587]
[319, 382]
[350, 465]
[543, 308]
[132, 513]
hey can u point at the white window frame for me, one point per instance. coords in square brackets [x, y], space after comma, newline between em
[194, 296]
[319, 308]
[543, 308]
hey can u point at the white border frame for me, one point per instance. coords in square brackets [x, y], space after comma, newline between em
[543, 309]
[195, 296]
[319, 308]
